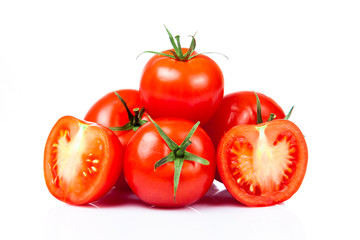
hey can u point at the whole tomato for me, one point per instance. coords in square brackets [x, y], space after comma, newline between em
[240, 108]
[121, 111]
[181, 83]
[170, 162]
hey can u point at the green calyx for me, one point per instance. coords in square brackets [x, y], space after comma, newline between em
[135, 120]
[177, 53]
[178, 153]
[272, 115]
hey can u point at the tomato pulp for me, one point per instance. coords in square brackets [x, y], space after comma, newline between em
[82, 160]
[263, 164]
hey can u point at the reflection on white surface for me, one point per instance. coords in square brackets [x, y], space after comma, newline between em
[217, 215]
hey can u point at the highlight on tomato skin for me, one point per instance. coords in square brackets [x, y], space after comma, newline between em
[264, 164]
[82, 160]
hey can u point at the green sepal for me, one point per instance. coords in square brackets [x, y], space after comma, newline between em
[180, 54]
[130, 116]
[126, 127]
[289, 114]
[142, 122]
[171, 144]
[169, 158]
[192, 157]
[176, 48]
[186, 141]
[258, 110]
[158, 53]
[191, 49]
[176, 57]
[178, 154]
[135, 128]
[178, 164]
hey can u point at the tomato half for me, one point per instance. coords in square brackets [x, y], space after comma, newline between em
[240, 108]
[264, 164]
[155, 186]
[82, 160]
[190, 89]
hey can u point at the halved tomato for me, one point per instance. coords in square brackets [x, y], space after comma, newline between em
[82, 160]
[263, 164]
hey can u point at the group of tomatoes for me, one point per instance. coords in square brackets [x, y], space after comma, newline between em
[170, 139]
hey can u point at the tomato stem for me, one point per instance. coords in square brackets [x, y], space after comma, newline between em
[135, 120]
[178, 153]
[177, 53]
[271, 117]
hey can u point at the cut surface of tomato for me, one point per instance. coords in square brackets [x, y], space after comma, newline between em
[263, 164]
[82, 160]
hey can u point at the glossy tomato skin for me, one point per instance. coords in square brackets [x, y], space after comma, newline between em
[82, 160]
[192, 90]
[239, 108]
[247, 171]
[110, 112]
[155, 187]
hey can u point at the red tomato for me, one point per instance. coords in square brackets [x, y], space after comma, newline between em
[239, 108]
[156, 186]
[82, 160]
[111, 112]
[190, 89]
[264, 164]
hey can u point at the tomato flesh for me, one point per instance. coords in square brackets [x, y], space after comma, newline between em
[262, 169]
[82, 161]
[263, 164]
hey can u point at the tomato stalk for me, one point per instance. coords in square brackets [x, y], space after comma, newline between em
[135, 120]
[272, 115]
[178, 153]
[177, 53]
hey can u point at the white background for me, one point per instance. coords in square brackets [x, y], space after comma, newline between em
[58, 57]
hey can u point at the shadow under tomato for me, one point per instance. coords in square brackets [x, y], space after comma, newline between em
[119, 197]
[125, 197]
[217, 197]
